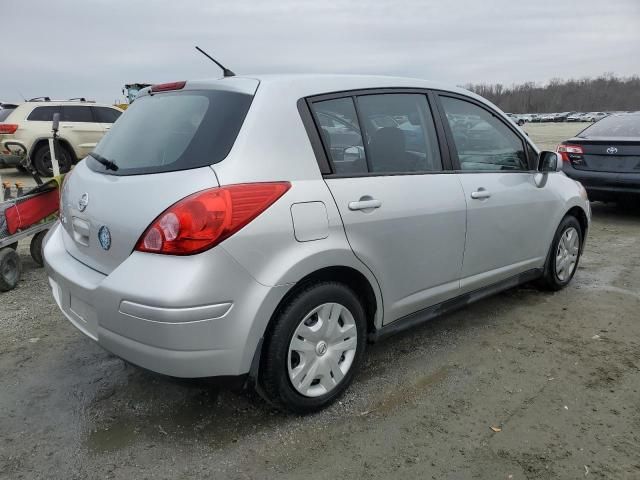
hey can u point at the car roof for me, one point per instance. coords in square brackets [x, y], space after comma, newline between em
[305, 85]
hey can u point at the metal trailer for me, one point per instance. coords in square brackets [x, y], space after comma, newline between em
[10, 263]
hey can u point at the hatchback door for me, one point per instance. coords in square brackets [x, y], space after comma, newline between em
[163, 149]
[507, 211]
[403, 215]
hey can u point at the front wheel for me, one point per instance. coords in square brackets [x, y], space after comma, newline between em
[564, 255]
[315, 347]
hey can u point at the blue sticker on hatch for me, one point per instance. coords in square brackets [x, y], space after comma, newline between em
[104, 237]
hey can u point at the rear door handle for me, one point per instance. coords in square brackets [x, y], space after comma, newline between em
[480, 194]
[365, 204]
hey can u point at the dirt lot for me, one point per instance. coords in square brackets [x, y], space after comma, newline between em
[557, 373]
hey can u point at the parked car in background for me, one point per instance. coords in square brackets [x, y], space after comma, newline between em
[576, 117]
[561, 117]
[605, 158]
[276, 258]
[24, 131]
[595, 116]
[516, 119]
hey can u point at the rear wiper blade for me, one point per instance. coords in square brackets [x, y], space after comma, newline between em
[108, 164]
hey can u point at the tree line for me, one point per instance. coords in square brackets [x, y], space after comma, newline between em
[604, 93]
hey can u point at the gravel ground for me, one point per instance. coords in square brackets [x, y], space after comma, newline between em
[556, 373]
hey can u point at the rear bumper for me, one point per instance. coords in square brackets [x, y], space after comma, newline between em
[603, 185]
[174, 327]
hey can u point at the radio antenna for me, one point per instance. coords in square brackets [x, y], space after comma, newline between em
[225, 71]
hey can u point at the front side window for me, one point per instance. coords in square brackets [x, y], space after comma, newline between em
[341, 135]
[483, 142]
[400, 133]
[106, 115]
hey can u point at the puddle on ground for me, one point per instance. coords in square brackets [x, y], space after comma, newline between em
[203, 418]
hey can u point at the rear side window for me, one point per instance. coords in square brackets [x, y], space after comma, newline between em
[76, 114]
[390, 133]
[482, 141]
[4, 113]
[174, 131]
[105, 115]
[44, 114]
[401, 135]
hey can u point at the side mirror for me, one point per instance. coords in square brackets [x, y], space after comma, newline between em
[549, 162]
[56, 122]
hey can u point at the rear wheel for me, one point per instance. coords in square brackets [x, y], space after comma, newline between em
[564, 255]
[10, 269]
[42, 160]
[315, 348]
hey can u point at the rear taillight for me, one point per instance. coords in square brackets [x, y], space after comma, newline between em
[567, 151]
[165, 87]
[204, 219]
[8, 127]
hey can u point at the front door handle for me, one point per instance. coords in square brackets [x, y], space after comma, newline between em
[367, 204]
[480, 194]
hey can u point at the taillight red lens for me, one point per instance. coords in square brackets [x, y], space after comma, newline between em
[204, 219]
[8, 128]
[164, 87]
[565, 149]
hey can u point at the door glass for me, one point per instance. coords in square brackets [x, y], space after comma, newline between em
[400, 133]
[341, 135]
[76, 114]
[483, 142]
[106, 115]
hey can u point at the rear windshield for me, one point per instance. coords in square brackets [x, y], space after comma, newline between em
[4, 113]
[173, 131]
[614, 126]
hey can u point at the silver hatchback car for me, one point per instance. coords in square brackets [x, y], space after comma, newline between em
[267, 227]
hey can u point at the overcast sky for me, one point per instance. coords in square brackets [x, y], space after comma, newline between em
[91, 48]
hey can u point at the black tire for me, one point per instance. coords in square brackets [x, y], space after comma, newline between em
[10, 269]
[42, 160]
[274, 374]
[550, 279]
[521, 122]
[36, 247]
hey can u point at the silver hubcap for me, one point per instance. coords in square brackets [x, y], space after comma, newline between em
[567, 253]
[322, 349]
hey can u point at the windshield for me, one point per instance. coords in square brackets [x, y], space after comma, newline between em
[614, 126]
[4, 113]
[173, 131]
